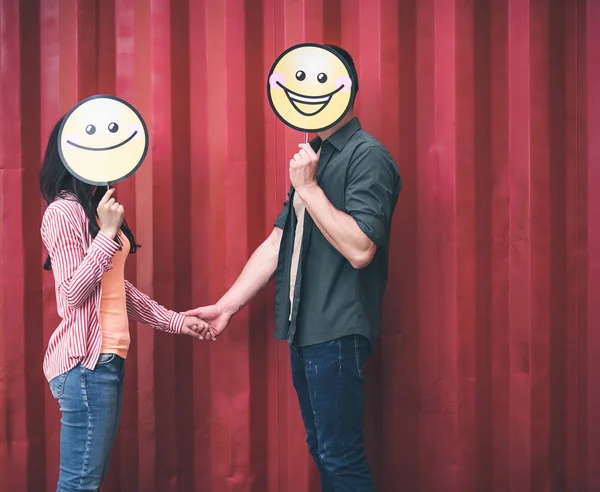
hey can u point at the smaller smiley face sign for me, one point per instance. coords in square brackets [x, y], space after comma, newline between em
[103, 140]
[310, 87]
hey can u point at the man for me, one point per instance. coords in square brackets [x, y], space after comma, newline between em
[329, 254]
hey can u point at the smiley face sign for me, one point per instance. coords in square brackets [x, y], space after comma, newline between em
[103, 140]
[310, 87]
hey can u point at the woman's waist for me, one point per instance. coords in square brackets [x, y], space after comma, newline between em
[114, 320]
[85, 318]
[90, 304]
[76, 336]
[113, 304]
[79, 338]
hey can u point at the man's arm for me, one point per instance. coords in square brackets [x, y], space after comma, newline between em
[340, 230]
[371, 195]
[255, 276]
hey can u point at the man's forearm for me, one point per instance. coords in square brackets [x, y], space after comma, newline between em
[339, 228]
[255, 276]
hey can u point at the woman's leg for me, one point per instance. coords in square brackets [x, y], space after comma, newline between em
[89, 402]
[117, 417]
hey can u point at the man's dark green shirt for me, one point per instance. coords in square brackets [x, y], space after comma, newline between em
[332, 299]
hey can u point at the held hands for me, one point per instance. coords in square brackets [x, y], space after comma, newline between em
[216, 317]
[196, 328]
[110, 213]
[303, 168]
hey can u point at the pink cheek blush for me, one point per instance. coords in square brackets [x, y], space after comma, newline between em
[345, 81]
[276, 77]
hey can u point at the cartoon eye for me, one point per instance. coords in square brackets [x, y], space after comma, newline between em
[90, 129]
[113, 128]
[322, 78]
[300, 75]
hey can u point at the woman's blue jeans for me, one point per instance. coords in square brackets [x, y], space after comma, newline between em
[90, 403]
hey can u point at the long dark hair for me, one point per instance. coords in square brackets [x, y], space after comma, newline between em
[57, 182]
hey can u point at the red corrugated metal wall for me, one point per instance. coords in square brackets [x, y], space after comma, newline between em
[486, 375]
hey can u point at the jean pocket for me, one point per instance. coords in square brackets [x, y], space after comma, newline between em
[361, 353]
[57, 385]
[105, 359]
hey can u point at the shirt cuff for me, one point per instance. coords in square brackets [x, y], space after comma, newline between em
[105, 244]
[177, 323]
[372, 227]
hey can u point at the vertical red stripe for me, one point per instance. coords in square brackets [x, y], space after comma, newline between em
[442, 162]
[200, 229]
[34, 342]
[49, 113]
[573, 219]
[520, 252]
[14, 383]
[140, 74]
[540, 247]
[590, 59]
[497, 385]
[427, 300]
[87, 48]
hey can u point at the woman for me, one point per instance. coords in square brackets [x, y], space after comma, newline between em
[88, 242]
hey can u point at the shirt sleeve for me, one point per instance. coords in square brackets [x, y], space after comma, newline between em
[282, 217]
[372, 189]
[145, 310]
[77, 272]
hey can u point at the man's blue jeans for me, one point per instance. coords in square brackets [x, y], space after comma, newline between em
[90, 402]
[329, 381]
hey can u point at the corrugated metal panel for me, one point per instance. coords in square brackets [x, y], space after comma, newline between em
[485, 376]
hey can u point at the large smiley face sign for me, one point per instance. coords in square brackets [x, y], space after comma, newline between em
[103, 140]
[310, 87]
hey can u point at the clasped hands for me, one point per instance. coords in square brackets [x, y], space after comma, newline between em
[206, 323]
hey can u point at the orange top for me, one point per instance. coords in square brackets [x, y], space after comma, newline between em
[113, 305]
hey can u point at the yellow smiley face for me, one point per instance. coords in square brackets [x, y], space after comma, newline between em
[103, 140]
[310, 87]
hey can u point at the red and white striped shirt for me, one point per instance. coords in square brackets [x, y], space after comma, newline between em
[78, 263]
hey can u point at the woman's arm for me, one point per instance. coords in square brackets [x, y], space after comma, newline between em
[145, 310]
[76, 271]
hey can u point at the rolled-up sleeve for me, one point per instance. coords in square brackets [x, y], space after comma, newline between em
[372, 189]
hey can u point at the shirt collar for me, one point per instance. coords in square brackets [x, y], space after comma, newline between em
[341, 137]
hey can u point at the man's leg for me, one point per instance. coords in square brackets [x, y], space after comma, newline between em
[299, 380]
[335, 381]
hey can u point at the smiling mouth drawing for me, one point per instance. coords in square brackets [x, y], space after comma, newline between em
[295, 98]
[104, 148]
